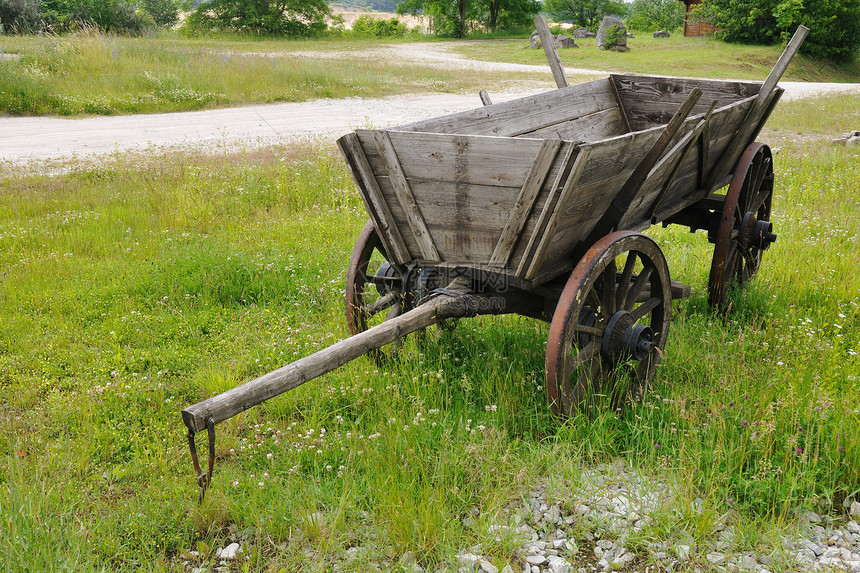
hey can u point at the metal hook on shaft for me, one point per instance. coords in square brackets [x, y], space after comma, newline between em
[203, 479]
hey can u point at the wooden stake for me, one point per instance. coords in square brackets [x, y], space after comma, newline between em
[551, 52]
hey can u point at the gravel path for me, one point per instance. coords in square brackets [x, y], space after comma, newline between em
[29, 140]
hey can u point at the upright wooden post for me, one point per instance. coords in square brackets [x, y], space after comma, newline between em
[551, 52]
[749, 127]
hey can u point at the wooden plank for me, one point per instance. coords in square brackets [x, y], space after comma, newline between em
[681, 150]
[551, 52]
[625, 196]
[485, 97]
[525, 202]
[374, 199]
[589, 128]
[516, 117]
[536, 261]
[546, 212]
[618, 99]
[758, 112]
[687, 181]
[651, 100]
[465, 160]
[405, 196]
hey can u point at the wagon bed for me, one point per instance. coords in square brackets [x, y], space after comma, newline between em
[515, 188]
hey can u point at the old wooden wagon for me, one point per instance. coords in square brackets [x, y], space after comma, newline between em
[535, 207]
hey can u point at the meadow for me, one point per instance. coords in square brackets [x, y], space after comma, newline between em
[133, 288]
[169, 72]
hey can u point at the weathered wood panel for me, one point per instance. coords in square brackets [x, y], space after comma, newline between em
[525, 201]
[374, 201]
[600, 125]
[651, 101]
[524, 115]
[404, 196]
[465, 160]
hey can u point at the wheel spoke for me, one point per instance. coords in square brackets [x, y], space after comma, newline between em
[594, 301]
[639, 284]
[759, 200]
[586, 353]
[592, 330]
[381, 304]
[610, 276]
[624, 283]
[643, 309]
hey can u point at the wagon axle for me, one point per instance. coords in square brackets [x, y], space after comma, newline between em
[756, 233]
[625, 339]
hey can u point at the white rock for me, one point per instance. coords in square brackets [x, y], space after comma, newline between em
[812, 517]
[853, 527]
[536, 559]
[683, 552]
[830, 553]
[469, 561]
[715, 558]
[487, 567]
[507, 569]
[558, 565]
[855, 509]
[230, 552]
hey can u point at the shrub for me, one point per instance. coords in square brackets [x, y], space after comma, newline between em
[834, 24]
[19, 16]
[366, 26]
[651, 15]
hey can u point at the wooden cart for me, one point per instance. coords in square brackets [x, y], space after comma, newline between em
[535, 207]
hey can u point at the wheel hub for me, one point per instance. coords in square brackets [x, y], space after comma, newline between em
[756, 233]
[625, 339]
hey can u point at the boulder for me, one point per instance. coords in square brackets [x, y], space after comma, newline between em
[561, 41]
[661, 34]
[581, 33]
[612, 35]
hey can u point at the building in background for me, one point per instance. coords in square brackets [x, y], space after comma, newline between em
[693, 27]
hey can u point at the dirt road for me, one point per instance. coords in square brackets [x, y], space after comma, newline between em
[34, 140]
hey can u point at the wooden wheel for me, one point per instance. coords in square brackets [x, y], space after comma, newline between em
[745, 230]
[610, 324]
[373, 285]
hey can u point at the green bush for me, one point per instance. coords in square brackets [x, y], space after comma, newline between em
[19, 16]
[366, 26]
[651, 15]
[834, 24]
[295, 18]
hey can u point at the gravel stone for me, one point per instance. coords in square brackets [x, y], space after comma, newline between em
[229, 552]
[854, 511]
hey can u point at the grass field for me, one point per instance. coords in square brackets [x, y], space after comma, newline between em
[175, 73]
[171, 72]
[675, 56]
[131, 290]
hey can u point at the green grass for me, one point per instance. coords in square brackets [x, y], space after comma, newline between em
[175, 73]
[675, 56]
[171, 72]
[132, 290]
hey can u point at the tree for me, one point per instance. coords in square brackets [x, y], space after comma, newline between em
[457, 17]
[650, 15]
[587, 13]
[834, 24]
[163, 12]
[278, 17]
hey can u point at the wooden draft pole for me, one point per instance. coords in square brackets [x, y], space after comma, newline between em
[751, 125]
[551, 52]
